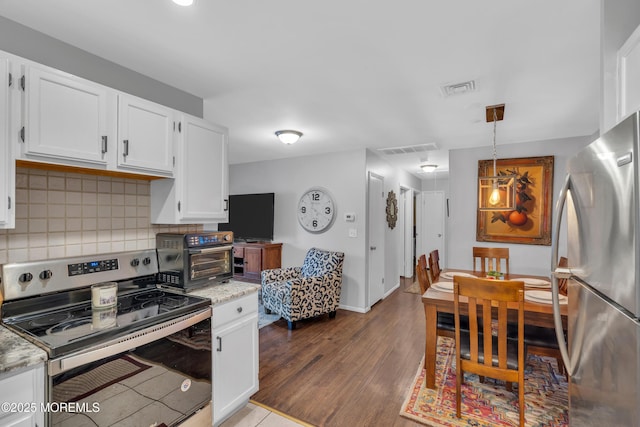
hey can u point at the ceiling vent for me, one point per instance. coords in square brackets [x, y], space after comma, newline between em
[458, 88]
[410, 149]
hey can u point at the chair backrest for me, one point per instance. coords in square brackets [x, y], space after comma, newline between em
[562, 283]
[489, 299]
[319, 262]
[491, 259]
[434, 263]
[434, 270]
[422, 274]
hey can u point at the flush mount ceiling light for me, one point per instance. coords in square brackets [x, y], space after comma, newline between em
[288, 136]
[496, 192]
[183, 2]
[428, 168]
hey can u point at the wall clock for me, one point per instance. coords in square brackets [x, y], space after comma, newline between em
[316, 210]
[392, 209]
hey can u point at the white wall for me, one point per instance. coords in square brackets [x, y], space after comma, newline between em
[463, 181]
[344, 175]
[619, 19]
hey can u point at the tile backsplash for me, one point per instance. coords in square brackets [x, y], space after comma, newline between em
[61, 214]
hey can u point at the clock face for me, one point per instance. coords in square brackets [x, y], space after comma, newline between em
[316, 210]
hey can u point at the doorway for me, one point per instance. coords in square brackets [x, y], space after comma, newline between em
[433, 224]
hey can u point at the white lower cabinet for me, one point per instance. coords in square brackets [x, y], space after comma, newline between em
[235, 355]
[22, 393]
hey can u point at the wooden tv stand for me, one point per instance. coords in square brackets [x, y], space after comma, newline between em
[249, 259]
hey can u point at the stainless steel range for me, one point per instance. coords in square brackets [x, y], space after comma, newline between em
[142, 358]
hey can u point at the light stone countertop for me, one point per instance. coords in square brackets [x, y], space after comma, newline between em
[224, 292]
[16, 352]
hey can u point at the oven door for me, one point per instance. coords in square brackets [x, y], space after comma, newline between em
[210, 264]
[157, 376]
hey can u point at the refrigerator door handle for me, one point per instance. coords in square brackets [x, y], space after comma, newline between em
[556, 272]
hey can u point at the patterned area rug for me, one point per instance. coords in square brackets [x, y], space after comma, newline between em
[488, 404]
[265, 319]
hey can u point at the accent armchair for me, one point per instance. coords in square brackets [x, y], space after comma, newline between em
[297, 293]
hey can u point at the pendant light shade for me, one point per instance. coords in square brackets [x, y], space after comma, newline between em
[288, 136]
[496, 192]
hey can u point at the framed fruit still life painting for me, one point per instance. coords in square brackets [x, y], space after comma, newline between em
[530, 221]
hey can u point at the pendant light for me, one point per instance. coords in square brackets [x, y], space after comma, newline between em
[496, 192]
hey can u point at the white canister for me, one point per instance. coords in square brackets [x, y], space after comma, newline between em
[104, 294]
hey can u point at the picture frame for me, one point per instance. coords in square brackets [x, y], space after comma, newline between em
[530, 222]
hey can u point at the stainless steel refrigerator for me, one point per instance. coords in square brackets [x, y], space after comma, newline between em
[601, 196]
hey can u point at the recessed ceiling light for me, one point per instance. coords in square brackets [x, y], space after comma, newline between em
[183, 2]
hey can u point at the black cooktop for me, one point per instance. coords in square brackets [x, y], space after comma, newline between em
[77, 326]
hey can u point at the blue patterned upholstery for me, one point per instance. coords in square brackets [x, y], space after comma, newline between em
[302, 292]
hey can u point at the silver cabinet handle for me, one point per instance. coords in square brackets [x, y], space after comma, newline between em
[219, 343]
[239, 309]
[126, 148]
[104, 144]
[373, 248]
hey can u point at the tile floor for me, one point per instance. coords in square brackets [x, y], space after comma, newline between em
[256, 416]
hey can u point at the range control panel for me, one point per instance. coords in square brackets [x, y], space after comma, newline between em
[24, 279]
[92, 267]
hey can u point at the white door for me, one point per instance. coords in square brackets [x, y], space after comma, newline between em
[203, 153]
[65, 117]
[375, 246]
[433, 212]
[145, 136]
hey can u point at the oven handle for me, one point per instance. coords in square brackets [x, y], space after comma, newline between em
[122, 344]
[210, 250]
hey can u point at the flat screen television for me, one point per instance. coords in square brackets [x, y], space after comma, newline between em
[250, 217]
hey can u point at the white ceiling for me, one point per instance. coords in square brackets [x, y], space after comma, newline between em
[353, 73]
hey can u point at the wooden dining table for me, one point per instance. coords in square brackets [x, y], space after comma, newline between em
[435, 301]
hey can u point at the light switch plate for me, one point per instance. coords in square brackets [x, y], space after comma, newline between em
[353, 232]
[350, 216]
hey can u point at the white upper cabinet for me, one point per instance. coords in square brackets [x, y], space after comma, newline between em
[7, 169]
[145, 136]
[64, 118]
[200, 191]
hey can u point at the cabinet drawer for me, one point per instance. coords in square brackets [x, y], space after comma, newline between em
[234, 309]
[238, 252]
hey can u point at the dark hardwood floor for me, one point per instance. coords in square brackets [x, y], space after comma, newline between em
[353, 370]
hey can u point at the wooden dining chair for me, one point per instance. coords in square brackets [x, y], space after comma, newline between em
[562, 283]
[478, 350]
[445, 324]
[434, 263]
[491, 259]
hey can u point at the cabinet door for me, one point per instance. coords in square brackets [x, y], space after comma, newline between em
[235, 365]
[203, 170]
[24, 387]
[7, 171]
[145, 136]
[252, 261]
[65, 117]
